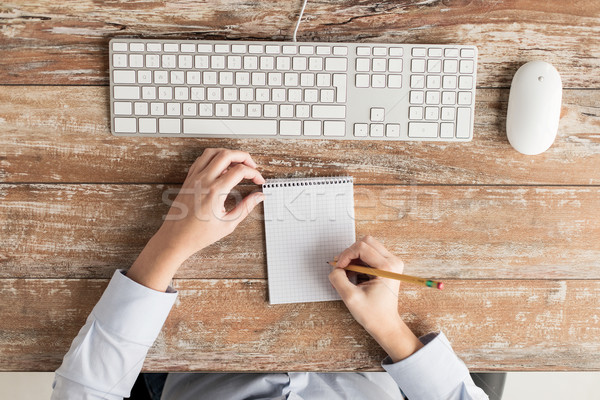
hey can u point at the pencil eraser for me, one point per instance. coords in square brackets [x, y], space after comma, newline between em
[440, 285]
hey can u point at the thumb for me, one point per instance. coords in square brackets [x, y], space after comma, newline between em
[341, 283]
[241, 211]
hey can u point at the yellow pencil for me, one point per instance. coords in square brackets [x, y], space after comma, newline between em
[392, 275]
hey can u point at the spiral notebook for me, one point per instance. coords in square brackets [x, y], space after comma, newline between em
[308, 222]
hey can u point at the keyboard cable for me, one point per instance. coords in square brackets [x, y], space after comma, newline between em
[299, 19]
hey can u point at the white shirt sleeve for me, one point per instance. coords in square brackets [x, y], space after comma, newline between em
[108, 353]
[434, 372]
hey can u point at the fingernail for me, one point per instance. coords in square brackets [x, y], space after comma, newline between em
[260, 196]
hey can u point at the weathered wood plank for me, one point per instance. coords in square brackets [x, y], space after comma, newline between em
[227, 325]
[47, 42]
[61, 134]
[68, 231]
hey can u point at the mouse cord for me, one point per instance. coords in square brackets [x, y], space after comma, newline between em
[299, 19]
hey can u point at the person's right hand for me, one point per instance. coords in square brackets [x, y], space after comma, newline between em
[374, 303]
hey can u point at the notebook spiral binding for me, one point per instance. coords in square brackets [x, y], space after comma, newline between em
[315, 181]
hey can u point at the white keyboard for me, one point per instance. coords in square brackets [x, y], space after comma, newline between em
[357, 91]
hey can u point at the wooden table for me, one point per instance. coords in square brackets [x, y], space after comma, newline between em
[516, 238]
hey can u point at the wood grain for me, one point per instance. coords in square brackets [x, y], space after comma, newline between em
[61, 134]
[49, 42]
[86, 231]
[227, 325]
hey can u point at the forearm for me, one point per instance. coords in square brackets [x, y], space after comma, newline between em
[396, 338]
[158, 262]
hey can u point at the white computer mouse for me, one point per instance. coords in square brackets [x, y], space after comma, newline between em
[534, 108]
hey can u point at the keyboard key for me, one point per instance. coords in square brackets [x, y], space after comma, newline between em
[432, 113]
[311, 95]
[379, 51]
[323, 50]
[144, 77]
[422, 129]
[181, 93]
[312, 128]
[361, 130]
[246, 94]
[392, 130]
[327, 111]
[377, 114]
[225, 78]
[147, 125]
[327, 95]
[416, 97]
[152, 61]
[336, 64]
[171, 47]
[290, 49]
[197, 93]
[415, 112]
[448, 113]
[395, 51]
[278, 95]
[434, 66]
[379, 64]
[254, 110]
[395, 65]
[286, 111]
[340, 51]
[221, 110]
[419, 52]
[307, 79]
[376, 130]
[446, 130]
[451, 52]
[205, 109]
[149, 93]
[302, 111]
[467, 53]
[185, 61]
[466, 66]
[290, 128]
[295, 95]
[417, 65]
[449, 82]
[448, 98]
[169, 125]
[217, 62]
[239, 110]
[157, 108]
[395, 81]
[267, 62]
[221, 48]
[201, 62]
[432, 97]
[168, 61]
[242, 78]
[464, 98]
[363, 64]
[234, 62]
[238, 48]
[334, 128]
[450, 66]
[363, 51]
[213, 93]
[188, 48]
[255, 49]
[315, 64]
[136, 60]
[122, 107]
[250, 62]
[119, 46]
[269, 111]
[433, 82]
[299, 63]
[463, 123]
[123, 76]
[284, 63]
[307, 50]
[362, 81]
[323, 80]
[141, 108]
[192, 77]
[120, 60]
[189, 109]
[378, 81]
[291, 79]
[126, 92]
[465, 82]
[259, 79]
[272, 49]
[417, 81]
[173, 109]
[434, 52]
[177, 77]
[165, 93]
[154, 47]
[230, 94]
[339, 82]
[230, 127]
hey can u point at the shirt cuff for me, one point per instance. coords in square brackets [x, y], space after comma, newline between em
[432, 372]
[141, 311]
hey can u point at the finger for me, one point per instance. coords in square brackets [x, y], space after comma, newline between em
[236, 174]
[341, 283]
[241, 211]
[365, 253]
[225, 158]
[377, 245]
[202, 161]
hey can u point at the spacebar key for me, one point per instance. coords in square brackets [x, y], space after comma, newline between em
[224, 127]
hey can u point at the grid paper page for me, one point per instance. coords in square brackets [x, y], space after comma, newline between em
[308, 222]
